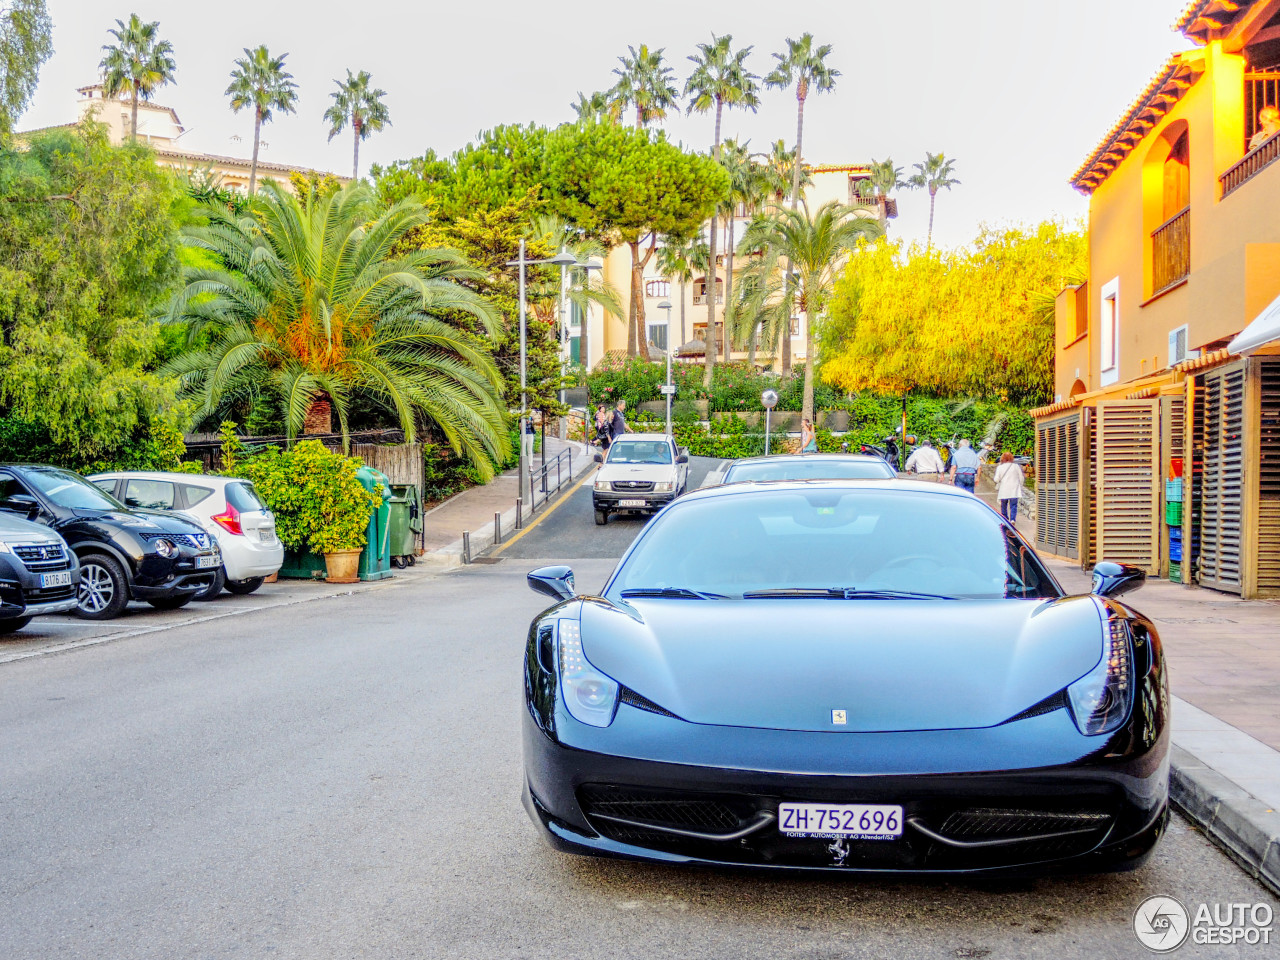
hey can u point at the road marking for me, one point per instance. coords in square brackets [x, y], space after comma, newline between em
[546, 513]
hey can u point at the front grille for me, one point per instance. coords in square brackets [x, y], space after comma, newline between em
[704, 814]
[632, 486]
[42, 556]
[990, 824]
[50, 594]
[198, 540]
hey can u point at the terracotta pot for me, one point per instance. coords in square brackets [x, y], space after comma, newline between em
[342, 566]
[272, 578]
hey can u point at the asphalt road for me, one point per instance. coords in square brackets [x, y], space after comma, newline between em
[341, 778]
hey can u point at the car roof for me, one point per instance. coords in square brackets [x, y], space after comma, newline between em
[785, 457]
[199, 478]
[870, 486]
[642, 436]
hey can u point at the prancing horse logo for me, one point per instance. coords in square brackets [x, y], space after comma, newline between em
[838, 718]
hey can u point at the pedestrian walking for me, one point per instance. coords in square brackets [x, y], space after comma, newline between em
[1009, 483]
[924, 460]
[602, 426]
[808, 437]
[964, 467]
[618, 421]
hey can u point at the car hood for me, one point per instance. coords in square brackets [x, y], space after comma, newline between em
[16, 530]
[614, 472]
[143, 521]
[890, 665]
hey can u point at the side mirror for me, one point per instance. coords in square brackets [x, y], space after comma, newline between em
[21, 503]
[555, 582]
[1113, 579]
[599, 458]
[682, 456]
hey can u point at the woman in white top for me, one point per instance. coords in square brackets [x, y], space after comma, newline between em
[1009, 482]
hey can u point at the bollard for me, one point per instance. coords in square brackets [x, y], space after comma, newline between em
[466, 547]
[519, 514]
[497, 528]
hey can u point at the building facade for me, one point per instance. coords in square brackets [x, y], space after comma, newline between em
[1162, 447]
[607, 333]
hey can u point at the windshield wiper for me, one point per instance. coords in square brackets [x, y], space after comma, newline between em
[679, 593]
[841, 593]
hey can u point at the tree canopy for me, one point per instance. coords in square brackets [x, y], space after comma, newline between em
[971, 321]
[25, 44]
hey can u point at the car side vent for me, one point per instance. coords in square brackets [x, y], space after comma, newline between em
[631, 698]
[1049, 704]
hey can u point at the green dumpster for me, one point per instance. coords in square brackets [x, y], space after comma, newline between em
[303, 565]
[375, 558]
[406, 523]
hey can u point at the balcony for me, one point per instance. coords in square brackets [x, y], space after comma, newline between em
[701, 298]
[1171, 251]
[1250, 165]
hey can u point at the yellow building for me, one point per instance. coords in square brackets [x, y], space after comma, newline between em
[607, 333]
[1162, 447]
[160, 127]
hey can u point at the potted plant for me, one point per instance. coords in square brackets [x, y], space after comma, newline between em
[319, 503]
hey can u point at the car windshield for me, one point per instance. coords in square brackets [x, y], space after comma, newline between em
[833, 543]
[70, 490]
[804, 468]
[640, 451]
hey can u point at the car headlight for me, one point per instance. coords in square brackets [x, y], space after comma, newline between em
[166, 548]
[663, 486]
[602, 485]
[590, 696]
[1102, 699]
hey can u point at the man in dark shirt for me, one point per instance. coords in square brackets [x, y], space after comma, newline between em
[618, 422]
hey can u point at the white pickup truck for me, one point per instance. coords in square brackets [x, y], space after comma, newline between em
[641, 473]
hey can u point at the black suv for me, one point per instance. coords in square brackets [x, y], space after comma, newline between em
[124, 554]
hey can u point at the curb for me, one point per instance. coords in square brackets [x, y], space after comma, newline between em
[1245, 827]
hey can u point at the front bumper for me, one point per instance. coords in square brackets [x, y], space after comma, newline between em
[21, 594]
[1108, 807]
[610, 500]
[160, 578]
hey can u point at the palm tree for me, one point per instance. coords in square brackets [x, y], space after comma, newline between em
[749, 187]
[804, 65]
[885, 178]
[720, 79]
[260, 81]
[934, 174]
[307, 303]
[582, 289]
[354, 101]
[816, 247]
[644, 82]
[678, 259]
[597, 106]
[777, 167]
[139, 63]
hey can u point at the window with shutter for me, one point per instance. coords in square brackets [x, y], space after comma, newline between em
[1221, 437]
[1269, 478]
[1058, 486]
[1128, 482]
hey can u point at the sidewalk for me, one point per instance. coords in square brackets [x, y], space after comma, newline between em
[472, 510]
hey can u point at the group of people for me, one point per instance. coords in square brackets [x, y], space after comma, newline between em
[610, 423]
[963, 472]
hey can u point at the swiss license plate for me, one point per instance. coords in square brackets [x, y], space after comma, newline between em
[862, 821]
[266, 536]
[631, 503]
[204, 563]
[56, 579]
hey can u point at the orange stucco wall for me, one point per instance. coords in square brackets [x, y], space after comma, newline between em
[1235, 241]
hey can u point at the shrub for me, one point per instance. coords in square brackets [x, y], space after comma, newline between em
[319, 503]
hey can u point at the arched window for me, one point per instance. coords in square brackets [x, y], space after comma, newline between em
[1177, 178]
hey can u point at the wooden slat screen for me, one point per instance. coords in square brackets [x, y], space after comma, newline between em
[1089, 509]
[1058, 486]
[1128, 494]
[1269, 478]
[1221, 485]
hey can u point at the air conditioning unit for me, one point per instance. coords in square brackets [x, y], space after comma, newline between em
[1178, 345]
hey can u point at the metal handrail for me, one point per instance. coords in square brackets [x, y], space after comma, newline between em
[540, 477]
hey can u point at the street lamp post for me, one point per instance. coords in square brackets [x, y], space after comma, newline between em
[770, 400]
[522, 264]
[668, 387]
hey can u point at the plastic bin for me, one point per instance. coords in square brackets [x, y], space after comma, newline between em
[1175, 466]
[1175, 552]
[1175, 573]
[405, 523]
[1173, 490]
[303, 565]
[1173, 514]
[375, 558]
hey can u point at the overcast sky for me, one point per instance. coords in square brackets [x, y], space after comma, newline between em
[1017, 91]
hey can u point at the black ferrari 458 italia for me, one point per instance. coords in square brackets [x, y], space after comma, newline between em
[845, 675]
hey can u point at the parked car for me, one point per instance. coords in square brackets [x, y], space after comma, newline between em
[848, 676]
[38, 573]
[124, 554]
[227, 508]
[641, 473]
[808, 466]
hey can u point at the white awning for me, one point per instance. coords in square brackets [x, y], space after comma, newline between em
[1264, 329]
